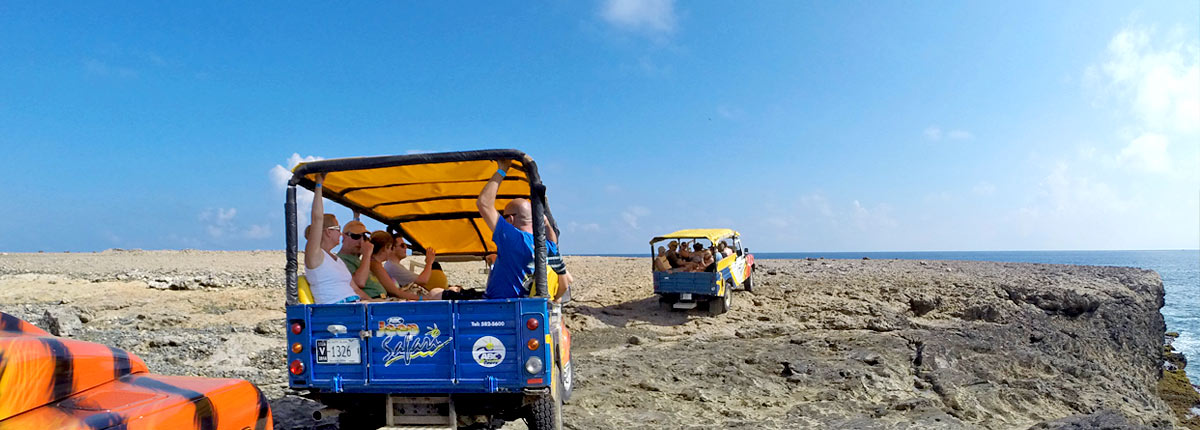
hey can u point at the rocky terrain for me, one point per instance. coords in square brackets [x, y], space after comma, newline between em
[873, 344]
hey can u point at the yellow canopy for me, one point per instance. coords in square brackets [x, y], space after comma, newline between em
[429, 198]
[712, 234]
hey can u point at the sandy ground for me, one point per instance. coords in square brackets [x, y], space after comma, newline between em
[818, 344]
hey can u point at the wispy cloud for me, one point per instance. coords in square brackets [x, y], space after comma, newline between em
[653, 17]
[219, 222]
[729, 112]
[99, 68]
[1154, 79]
[582, 227]
[1148, 152]
[281, 175]
[936, 133]
[984, 189]
[632, 214]
[1156, 75]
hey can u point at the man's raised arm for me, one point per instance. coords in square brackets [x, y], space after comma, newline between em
[487, 198]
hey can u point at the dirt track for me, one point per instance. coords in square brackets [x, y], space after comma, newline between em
[818, 344]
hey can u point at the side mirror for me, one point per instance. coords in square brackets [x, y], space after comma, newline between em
[746, 250]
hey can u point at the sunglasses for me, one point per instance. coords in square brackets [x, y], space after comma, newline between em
[357, 236]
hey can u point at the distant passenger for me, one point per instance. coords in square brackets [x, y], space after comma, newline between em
[722, 251]
[673, 255]
[329, 279]
[708, 261]
[661, 263]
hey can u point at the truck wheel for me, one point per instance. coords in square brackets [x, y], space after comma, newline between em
[546, 412]
[720, 305]
[666, 302]
[567, 381]
[748, 284]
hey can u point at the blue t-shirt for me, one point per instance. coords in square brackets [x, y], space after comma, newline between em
[514, 261]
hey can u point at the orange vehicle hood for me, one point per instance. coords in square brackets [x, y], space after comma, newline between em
[37, 368]
[48, 382]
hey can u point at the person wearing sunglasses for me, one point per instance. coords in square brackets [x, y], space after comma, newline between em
[356, 248]
[329, 279]
[401, 274]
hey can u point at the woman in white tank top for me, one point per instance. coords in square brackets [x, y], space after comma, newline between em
[330, 282]
[328, 278]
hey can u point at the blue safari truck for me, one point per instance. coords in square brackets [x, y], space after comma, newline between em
[433, 363]
[700, 266]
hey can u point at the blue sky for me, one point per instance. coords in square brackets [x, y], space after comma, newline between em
[808, 126]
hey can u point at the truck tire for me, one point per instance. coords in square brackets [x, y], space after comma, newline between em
[546, 412]
[748, 284]
[720, 305]
[567, 381]
[666, 302]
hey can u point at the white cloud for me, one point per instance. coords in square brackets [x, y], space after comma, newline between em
[1147, 152]
[100, 68]
[936, 133]
[280, 176]
[612, 188]
[1157, 76]
[819, 203]
[933, 133]
[588, 227]
[646, 16]
[959, 135]
[258, 231]
[219, 224]
[632, 213]
[984, 189]
[870, 219]
[1070, 193]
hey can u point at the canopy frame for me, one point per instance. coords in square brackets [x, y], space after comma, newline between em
[537, 199]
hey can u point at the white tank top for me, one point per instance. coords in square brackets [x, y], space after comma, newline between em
[329, 281]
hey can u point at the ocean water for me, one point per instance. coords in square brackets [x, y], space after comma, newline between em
[1179, 269]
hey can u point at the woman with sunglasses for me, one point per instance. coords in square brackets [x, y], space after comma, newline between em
[328, 278]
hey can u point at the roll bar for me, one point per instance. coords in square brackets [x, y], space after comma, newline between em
[537, 199]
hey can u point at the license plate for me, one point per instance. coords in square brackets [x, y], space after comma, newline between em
[338, 351]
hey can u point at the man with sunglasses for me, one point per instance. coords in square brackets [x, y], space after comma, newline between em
[356, 248]
[512, 233]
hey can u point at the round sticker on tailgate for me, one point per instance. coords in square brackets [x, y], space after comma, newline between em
[488, 351]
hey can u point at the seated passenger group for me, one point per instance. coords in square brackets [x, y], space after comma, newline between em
[343, 278]
[678, 259]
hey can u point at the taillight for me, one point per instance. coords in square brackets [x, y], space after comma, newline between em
[296, 367]
[533, 344]
[297, 347]
[297, 328]
[532, 323]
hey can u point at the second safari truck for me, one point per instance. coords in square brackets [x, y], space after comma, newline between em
[682, 289]
[430, 364]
